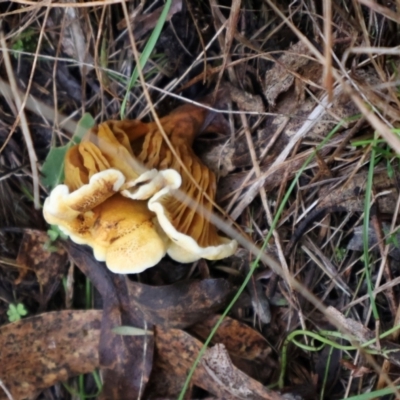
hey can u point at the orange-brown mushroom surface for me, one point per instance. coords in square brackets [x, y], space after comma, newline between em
[127, 195]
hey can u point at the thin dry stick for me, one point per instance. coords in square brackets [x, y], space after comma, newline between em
[46, 3]
[265, 151]
[8, 394]
[328, 79]
[229, 35]
[23, 122]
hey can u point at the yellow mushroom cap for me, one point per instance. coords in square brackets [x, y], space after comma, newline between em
[126, 236]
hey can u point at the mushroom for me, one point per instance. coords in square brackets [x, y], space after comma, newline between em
[127, 196]
[89, 209]
[185, 222]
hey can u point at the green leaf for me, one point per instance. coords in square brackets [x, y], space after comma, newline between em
[53, 167]
[15, 312]
[130, 331]
[21, 310]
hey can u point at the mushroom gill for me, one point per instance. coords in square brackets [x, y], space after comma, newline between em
[184, 220]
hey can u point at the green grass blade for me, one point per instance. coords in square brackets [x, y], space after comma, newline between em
[367, 208]
[146, 53]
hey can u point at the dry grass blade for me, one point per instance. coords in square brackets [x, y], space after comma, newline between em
[24, 123]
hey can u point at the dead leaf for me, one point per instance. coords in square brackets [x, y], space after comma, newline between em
[176, 352]
[49, 266]
[351, 194]
[126, 361]
[357, 240]
[341, 108]
[244, 100]
[281, 76]
[219, 159]
[40, 351]
[73, 39]
[247, 348]
[386, 348]
[233, 334]
[223, 373]
[181, 304]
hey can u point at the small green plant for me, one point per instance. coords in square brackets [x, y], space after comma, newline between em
[16, 312]
[391, 238]
[340, 253]
[53, 233]
[26, 42]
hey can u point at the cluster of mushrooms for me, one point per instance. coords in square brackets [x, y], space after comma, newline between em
[120, 194]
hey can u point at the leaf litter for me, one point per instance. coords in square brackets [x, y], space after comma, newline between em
[261, 58]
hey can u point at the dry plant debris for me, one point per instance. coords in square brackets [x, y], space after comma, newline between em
[295, 133]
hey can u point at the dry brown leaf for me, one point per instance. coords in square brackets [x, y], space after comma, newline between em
[40, 351]
[181, 304]
[351, 195]
[281, 76]
[220, 159]
[123, 370]
[73, 40]
[176, 352]
[253, 358]
[233, 334]
[244, 100]
[226, 376]
[49, 266]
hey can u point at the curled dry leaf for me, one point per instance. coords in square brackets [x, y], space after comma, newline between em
[253, 358]
[181, 304]
[40, 351]
[219, 159]
[244, 100]
[127, 195]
